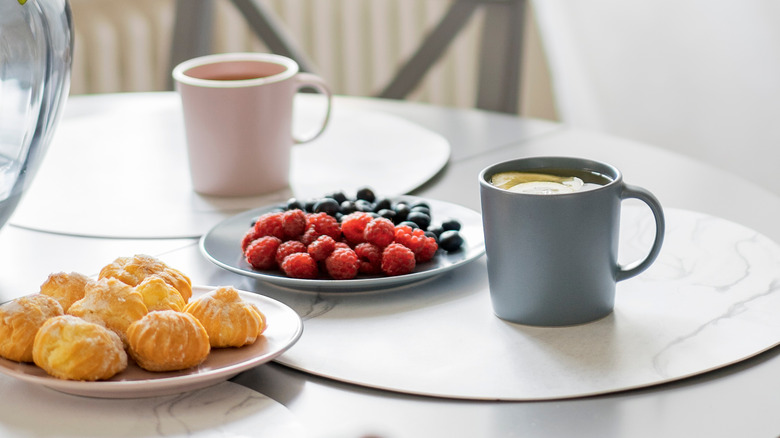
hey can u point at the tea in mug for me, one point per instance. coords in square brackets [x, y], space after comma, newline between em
[549, 181]
[235, 70]
[238, 76]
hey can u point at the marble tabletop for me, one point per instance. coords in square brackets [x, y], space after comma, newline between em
[226, 409]
[734, 400]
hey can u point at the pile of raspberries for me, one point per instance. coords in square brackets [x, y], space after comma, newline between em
[308, 245]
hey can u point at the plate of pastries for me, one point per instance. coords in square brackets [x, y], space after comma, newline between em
[139, 329]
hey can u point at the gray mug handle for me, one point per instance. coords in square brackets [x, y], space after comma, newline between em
[637, 267]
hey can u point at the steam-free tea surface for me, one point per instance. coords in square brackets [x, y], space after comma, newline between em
[118, 166]
[548, 182]
[710, 300]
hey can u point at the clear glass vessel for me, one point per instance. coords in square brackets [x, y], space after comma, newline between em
[36, 51]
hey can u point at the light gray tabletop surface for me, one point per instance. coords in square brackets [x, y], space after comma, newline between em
[738, 400]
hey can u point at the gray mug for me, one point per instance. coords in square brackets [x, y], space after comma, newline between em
[552, 259]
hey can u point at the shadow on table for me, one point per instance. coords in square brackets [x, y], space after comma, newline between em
[450, 286]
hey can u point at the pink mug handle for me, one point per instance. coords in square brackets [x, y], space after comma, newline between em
[316, 82]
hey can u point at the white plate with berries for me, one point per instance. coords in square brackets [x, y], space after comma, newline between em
[357, 243]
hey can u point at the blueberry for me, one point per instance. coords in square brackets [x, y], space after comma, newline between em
[363, 205]
[401, 211]
[420, 203]
[409, 224]
[429, 233]
[382, 204]
[387, 214]
[421, 209]
[327, 205]
[450, 241]
[366, 194]
[338, 196]
[348, 207]
[451, 224]
[421, 219]
[436, 230]
[294, 203]
[309, 205]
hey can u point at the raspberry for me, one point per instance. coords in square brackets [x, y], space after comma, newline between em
[249, 237]
[321, 248]
[293, 224]
[427, 250]
[287, 248]
[353, 225]
[397, 260]
[401, 230]
[342, 264]
[410, 238]
[380, 232]
[324, 224]
[269, 224]
[307, 240]
[370, 257]
[423, 247]
[300, 265]
[309, 236]
[261, 254]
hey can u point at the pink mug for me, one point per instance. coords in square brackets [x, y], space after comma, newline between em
[238, 110]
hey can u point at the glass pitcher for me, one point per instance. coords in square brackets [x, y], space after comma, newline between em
[36, 48]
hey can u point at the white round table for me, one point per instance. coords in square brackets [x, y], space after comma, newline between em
[734, 400]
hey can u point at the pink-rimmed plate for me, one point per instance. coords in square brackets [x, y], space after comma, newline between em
[284, 329]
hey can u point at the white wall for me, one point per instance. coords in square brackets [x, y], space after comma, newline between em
[696, 76]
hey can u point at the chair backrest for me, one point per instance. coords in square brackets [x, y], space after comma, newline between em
[499, 55]
[698, 77]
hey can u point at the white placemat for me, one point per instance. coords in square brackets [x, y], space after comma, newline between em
[710, 300]
[117, 166]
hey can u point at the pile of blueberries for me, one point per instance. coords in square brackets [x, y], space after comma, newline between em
[415, 214]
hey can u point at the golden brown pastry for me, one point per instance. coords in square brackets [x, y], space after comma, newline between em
[133, 270]
[68, 347]
[20, 320]
[65, 288]
[229, 321]
[111, 303]
[159, 295]
[167, 341]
